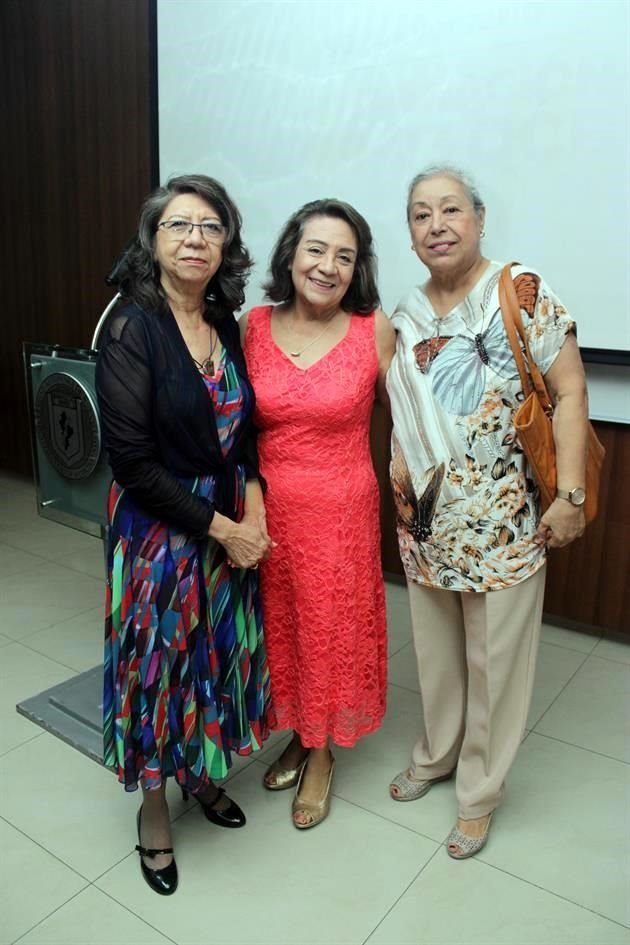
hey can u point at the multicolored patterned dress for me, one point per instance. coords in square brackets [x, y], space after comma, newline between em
[186, 678]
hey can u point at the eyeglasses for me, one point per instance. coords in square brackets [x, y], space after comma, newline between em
[211, 231]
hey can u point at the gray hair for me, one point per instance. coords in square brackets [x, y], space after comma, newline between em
[448, 170]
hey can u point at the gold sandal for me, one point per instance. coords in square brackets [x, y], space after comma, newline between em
[316, 810]
[283, 778]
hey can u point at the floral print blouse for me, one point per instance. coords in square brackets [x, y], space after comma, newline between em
[467, 507]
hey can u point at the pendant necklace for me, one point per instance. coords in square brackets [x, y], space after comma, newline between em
[296, 354]
[207, 366]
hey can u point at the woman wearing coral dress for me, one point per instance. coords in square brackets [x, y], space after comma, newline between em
[316, 360]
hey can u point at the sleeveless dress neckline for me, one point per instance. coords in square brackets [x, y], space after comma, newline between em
[319, 360]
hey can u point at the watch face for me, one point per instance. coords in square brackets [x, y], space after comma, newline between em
[577, 496]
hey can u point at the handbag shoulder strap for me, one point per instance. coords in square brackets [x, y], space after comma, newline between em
[530, 375]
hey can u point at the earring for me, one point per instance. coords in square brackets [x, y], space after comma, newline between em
[482, 234]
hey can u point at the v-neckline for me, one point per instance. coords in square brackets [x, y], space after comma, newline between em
[319, 360]
[481, 282]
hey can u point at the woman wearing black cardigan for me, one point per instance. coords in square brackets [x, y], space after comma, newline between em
[186, 680]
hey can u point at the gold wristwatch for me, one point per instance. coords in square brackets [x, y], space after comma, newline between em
[575, 496]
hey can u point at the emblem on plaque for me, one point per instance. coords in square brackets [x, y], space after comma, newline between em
[67, 425]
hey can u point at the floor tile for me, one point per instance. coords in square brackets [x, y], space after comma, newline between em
[613, 650]
[92, 918]
[593, 709]
[89, 559]
[403, 669]
[557, 840]
[44, 597]
[18, 507]
[33, 883]
[472, 904]
[87, 821]
[561, 826]
[23, 674]
[77, 642]
[11, 483]
[13, 561]
[572, 639]
[399, 632]
[287, 886]
[45, 538]
[364, 772]
[555, 667]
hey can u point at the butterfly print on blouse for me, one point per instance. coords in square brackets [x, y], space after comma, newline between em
[527, 286]
[425, 352]
[413, 513]
[457, 366]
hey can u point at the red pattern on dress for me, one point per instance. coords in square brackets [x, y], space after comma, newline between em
[323, 593]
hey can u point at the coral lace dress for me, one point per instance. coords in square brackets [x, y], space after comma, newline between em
[323, 594]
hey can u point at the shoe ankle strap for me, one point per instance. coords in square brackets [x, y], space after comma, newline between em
[151, 853]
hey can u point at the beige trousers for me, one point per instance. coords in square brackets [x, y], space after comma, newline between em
[476, 657]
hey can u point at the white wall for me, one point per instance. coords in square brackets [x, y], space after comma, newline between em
[289, 100]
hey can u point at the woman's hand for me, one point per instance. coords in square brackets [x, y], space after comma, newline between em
[258, 520]
[561, 524]
[245, 542]
[254, 513]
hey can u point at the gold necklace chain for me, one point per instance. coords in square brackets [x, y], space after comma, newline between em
[296, 354]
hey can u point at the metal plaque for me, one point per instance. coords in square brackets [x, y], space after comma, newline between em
[66, 420]
[71, 471]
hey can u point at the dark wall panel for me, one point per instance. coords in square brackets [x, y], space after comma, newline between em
[79, 155]
[589, 581]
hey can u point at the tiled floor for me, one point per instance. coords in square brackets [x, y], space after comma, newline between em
[556, 868]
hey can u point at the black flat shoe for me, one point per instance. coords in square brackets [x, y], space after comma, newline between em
[232, 816]
[162, 881]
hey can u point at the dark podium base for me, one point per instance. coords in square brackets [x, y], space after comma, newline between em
[72, 711]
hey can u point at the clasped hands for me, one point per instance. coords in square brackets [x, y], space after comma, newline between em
[247, 542]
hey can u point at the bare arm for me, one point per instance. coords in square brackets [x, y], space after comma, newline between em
[385, 347]
[563, 522]
[242, 327]
[254, 501]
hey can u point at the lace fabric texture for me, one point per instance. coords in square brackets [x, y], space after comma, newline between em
[323, 593]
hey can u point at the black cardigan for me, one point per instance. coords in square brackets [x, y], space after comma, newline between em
[158, 420]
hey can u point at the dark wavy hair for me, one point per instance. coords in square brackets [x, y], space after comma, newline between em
[362, 295]
[137, 274]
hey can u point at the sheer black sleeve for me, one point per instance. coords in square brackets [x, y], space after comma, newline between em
[124, 386]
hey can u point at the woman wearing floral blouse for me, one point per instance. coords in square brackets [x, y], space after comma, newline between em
[472, 541]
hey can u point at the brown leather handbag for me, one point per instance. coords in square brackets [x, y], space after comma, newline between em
[532, 420]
